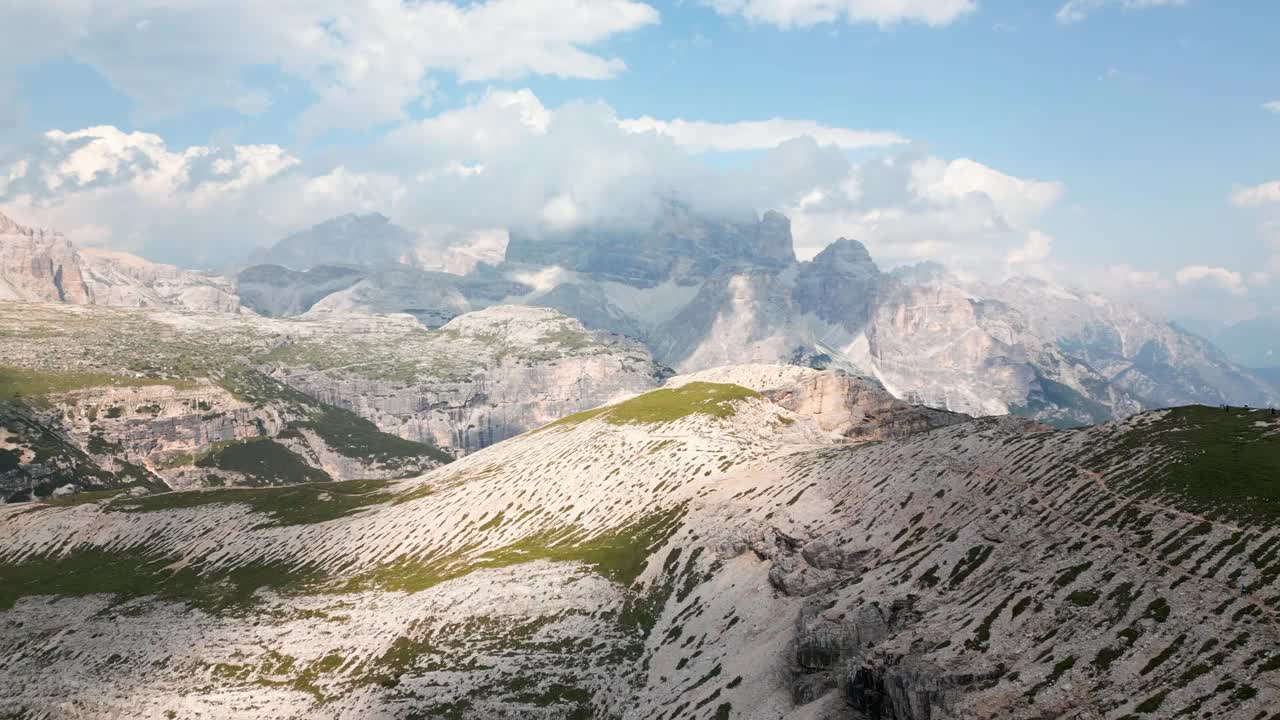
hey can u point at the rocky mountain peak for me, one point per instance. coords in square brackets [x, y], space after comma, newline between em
[369, 239]
[774, 238]
[39, 266]
[679, 245]
[845, 254]
[8, 226]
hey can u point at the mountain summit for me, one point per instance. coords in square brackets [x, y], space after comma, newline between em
[352, 239]
[680, 246]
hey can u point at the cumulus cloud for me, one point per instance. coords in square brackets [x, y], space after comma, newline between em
[1223, 278]
[1273, 106]
[1265, 194]
[962, 179]
[1076, 10]
[362, 60]
[131, 191]
[757, 135]
[806, 13]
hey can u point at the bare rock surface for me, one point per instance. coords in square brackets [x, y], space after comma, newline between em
[696, 551]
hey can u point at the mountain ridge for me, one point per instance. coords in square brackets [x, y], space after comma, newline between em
[698, 551]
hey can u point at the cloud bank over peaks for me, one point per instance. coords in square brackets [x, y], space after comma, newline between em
[908, 207]
[506, 160]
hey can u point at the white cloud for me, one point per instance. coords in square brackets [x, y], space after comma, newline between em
[909, 208]
[1228, 280]
[806, 13]
[1076, 10]
[700, 136]
[560, 211]
[1127, 280]
[1264, 194]
[964, 179]
[131, 191]
[1035, 250]
[363, 60]
[1273, 106]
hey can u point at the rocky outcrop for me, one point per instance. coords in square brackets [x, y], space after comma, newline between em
[120, 279]
[43, 266]
[185, 434]
[39, 265]
[521, 368]
[484, 377]
[844, 406]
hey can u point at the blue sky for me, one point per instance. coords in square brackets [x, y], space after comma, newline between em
[1135, 122]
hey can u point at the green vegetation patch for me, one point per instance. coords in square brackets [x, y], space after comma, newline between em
[263, 461]
[620, 555]
[138, 573]
[668, 405]
[353, 436]
[1224, 463]
[294, 505]
[34, 385]
[1083, 598]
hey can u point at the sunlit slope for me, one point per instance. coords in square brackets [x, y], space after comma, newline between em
[701, 551]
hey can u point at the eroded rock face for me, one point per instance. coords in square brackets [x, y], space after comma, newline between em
[120, 279]
[39, 265]
[841, 285]
[910, 688]
[531, 366]
[178, 436]
[43, 266]
[847, 407]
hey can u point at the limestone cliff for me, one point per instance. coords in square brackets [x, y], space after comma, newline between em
[39, 265]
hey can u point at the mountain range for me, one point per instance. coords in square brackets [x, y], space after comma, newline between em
[703, 292]
[350, 483]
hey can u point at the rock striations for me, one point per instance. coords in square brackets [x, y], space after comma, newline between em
[718, 548]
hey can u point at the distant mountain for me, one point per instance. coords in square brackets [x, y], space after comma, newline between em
[277, 291]
[1252, 343]
[362, 240]
[39, 265]
[704, 293]
[680, 247]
